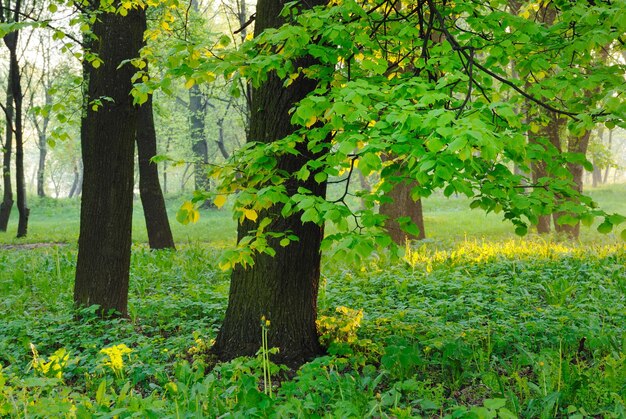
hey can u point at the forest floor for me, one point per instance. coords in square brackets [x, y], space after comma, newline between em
[473, 322]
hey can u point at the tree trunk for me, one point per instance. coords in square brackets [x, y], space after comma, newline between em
[79, 186]
[43, 150]
[402, 206]
[157, 224]
[20, 181]
[10, 41]
[282, 288]
[107, 144]
[609, 147]
[576, 145]
[74, 182]
[197, 114]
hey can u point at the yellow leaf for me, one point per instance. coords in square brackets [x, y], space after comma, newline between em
[250, 214]
[165, 26]
[189, 83]
[96, 63]
[534, 128]
[310, 122]
[219, 201]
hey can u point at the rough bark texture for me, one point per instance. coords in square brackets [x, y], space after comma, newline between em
[20, 181]
[155, 214]
[107, 143]
[10, 41]
[402, 206]
[282, 288]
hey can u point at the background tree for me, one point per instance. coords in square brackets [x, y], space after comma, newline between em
[108, 134]
[155, 213]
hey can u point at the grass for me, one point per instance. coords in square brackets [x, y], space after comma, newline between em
[446, 220]
[491, 326]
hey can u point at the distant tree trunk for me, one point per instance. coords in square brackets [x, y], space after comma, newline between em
[79, 185]
[197, 114]
[74, 186]
[220, 133]
[7, 196]
[107, 143]
[42, 136]
[575, 145]
[551, 131]
[609, 146]
[282, 288]
[157, 224]
[402, 206]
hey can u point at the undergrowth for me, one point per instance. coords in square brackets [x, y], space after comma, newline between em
[476, 329]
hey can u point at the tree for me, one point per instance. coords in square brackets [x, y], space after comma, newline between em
[108, 134]
[155, 213]
[430, 84]
[276, 288]
[10, 14]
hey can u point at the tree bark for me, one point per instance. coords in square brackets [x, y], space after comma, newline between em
[43, 148]
[10, 41]
[20, 181]
[107, 143]
[575, 145]
[282, 288]
[155, 214]
[402, 206]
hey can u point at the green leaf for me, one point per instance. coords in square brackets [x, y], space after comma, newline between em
[623, 235]
[494, 404]
[606, 227]
[102, 388]
[521, 230]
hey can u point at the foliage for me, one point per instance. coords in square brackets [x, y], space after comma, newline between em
[512, 328]
[421, 92]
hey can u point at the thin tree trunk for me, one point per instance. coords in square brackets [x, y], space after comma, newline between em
[167, 150]
[43, 150]
[282, 288]
[79, 186]
[610, 145]
[108, 143]
[155, 214]
[74, 182]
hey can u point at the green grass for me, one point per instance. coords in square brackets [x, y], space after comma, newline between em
[445, 218]
[471, 323]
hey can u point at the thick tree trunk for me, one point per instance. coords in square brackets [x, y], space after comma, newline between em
[10, 41]
[155, 214]
[402, 206]
[108, 140]
[282, 288]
